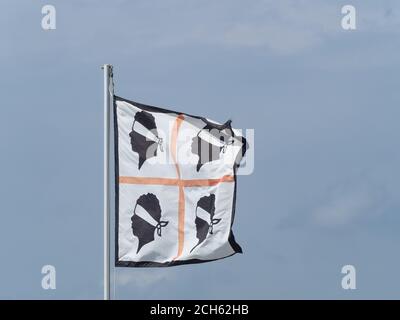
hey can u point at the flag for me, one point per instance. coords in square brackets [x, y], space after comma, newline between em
[175, 186]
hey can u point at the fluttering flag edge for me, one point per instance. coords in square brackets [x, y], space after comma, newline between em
[235, 246]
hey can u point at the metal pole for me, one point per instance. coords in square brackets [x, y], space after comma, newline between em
[107, 103]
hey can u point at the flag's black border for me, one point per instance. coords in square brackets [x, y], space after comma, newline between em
[235, 246]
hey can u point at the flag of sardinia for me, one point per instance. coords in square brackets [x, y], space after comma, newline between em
[175, 186]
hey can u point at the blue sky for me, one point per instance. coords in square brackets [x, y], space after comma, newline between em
[323, 103]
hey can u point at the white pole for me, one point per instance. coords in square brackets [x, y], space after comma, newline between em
[107, 102]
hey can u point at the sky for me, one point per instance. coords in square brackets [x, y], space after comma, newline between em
[323, 102]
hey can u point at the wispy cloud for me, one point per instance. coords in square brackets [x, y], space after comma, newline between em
[143, 277]
[356, 200]
[282, 27]
[347, 204]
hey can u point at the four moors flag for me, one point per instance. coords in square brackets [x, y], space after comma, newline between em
[175, 186]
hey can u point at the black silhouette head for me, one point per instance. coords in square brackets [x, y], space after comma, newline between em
[144, 136]
[205, 220]
[146, 219]
[210, 142]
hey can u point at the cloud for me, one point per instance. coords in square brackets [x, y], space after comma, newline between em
[279, 40]
[363, 200]
[282, 27]
[143, 277]
[347, 204]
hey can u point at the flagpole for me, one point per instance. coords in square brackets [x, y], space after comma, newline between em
[107, 69]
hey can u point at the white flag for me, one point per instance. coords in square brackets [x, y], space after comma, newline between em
[175, 186]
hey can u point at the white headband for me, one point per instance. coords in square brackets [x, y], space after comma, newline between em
[148, 134]
[211, 139]
[203, 215]
[142, 213]
[206, 216]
